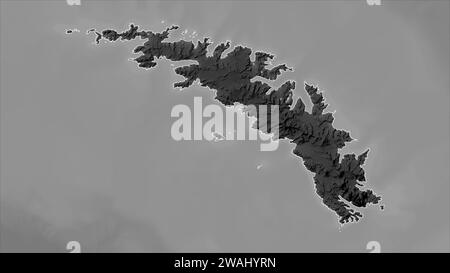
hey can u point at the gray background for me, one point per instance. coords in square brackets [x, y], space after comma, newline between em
[86, 152]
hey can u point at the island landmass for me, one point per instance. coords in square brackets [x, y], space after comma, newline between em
[337, 180]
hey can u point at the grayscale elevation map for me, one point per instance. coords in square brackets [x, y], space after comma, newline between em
[224, 126]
